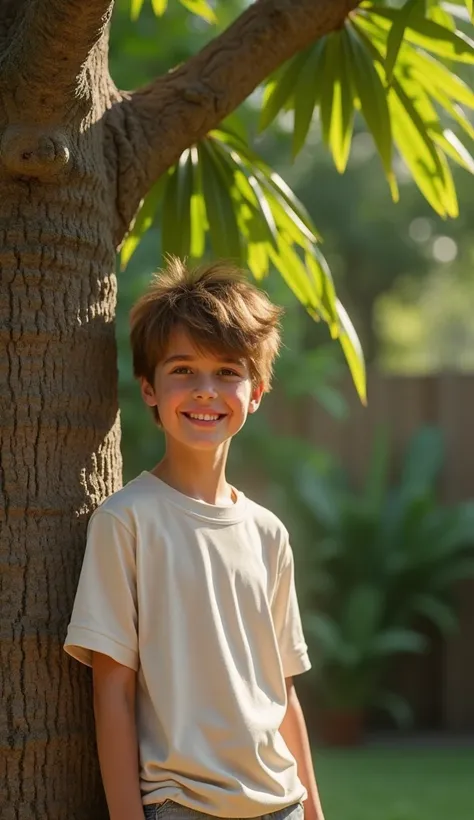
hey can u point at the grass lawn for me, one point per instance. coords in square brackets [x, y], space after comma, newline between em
[397, 784]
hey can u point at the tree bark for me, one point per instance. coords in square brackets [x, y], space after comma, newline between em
[76, 157]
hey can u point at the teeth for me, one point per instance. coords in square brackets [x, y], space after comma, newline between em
[203, 416]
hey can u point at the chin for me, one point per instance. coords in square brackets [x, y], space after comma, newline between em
[205, 446]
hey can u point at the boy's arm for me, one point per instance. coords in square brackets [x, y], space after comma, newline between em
[295, 735]
[114, 710]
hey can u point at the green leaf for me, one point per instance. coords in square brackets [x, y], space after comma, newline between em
[293, 271]
[434, 75]
[395, 38]
[337, 102]
[199, 224]
[143, 222]
[216, 182]
[176, 223]
[307, 93]
[279, 90]
[258, 259]
[419, 107]
[170, 237]
[454, 148]
[200, 8]
[452, 45]
[249, 187]
[450, 195]
[443, 86]
[291, 204]
[159, 6]
[441, 16]
[456, 113]
[294, 207]
[135, 9]
[284, 218]
[373, 100]
[329, 68]
[418, 150]
[318, 269]
[428, 82]
[353, 352]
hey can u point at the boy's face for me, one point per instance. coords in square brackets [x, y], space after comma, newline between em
[202, 399]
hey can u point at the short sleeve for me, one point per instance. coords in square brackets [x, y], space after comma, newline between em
[287, 618]
[104, 617]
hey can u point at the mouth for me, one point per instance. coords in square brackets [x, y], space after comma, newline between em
[205, 418]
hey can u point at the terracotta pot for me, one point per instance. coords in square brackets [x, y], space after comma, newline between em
[341, 727]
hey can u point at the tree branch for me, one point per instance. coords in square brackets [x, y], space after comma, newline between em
[171, 113]
[49, 49]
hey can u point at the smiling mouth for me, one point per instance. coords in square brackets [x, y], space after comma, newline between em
[207, 418]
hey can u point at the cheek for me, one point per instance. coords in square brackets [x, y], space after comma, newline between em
[240, 395]
[169, 395]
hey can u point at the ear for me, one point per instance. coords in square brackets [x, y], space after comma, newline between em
[256, 398]
[148, 393]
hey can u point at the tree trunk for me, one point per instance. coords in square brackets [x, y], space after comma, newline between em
[60, 457]
[76, 157]
[60, 444]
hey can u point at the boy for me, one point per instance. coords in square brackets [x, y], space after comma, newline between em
[186, 607]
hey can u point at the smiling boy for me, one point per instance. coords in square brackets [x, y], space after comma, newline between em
[186, 606]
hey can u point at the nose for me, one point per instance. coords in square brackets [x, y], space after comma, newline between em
[204, 390]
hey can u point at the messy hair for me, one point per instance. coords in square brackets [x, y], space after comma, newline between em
[220, 310]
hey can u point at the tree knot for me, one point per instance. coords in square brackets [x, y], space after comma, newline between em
[33, 151]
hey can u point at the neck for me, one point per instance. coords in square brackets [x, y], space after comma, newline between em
[200, 475]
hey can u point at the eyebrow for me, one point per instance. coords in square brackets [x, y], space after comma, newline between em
[186, 357]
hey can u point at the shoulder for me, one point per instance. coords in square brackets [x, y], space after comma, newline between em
[125, 507]
[269, 525]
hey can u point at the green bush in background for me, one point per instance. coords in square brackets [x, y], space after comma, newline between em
[380, 558]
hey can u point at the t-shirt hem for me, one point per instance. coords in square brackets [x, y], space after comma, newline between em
[258, 810]
[82, 642]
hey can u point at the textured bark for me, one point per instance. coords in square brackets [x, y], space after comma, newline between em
[58, 412]
[75, 159]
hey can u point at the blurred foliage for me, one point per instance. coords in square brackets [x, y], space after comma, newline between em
[374, 560]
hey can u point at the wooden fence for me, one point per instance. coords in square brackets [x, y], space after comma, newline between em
[441, 686]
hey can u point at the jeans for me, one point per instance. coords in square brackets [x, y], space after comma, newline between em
[168, 810]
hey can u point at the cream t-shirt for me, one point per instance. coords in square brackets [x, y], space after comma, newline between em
[200, 601]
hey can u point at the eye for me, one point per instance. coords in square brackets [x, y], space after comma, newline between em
[226, 371]
[181, 371]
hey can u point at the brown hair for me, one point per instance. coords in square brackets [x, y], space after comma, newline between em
[219, 308]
